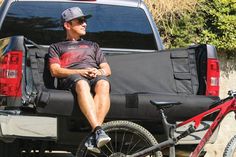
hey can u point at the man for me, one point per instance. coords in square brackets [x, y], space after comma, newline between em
[82, 67]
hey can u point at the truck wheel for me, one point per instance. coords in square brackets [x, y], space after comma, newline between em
[230, 149]
[9, 149]
[126, 139]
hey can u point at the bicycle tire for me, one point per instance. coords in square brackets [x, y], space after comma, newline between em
[126, 139]
[230, 149]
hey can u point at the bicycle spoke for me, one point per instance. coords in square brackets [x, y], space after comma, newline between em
[140, 149]
[116, 142]
[92, 154]
[104, 154]
[122, 142]
[134, 146]
[108, 148]
[111, 148]
[131, 140]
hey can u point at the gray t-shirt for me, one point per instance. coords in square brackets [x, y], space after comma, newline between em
[76, 54]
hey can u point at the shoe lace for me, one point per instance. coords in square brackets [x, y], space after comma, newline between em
[99, 131]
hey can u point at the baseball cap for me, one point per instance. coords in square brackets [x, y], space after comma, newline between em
[72, 13]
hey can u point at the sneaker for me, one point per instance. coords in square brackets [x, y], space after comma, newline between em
[90, 144]
[101, 138]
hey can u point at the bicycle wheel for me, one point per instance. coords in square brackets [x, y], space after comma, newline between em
[230, 149]
[126, 139]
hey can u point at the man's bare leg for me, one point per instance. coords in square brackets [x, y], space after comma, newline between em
[95, 112]
[102, 103]
[86, 103]
[102, 99]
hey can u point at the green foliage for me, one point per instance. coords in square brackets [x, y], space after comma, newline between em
[184, 31]
[220, 24]
[212, 22]
[170, 16]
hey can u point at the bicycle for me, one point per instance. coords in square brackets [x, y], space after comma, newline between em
[132, 140]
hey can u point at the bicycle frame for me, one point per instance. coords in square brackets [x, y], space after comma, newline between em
[223, 107]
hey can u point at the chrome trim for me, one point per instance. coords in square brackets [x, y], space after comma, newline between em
[131, 3]
[127, 50]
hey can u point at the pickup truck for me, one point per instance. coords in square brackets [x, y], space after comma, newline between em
[36, 116]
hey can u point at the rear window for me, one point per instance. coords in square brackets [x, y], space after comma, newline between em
[111, 26]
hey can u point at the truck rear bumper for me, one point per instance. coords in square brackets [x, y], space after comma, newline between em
[28, 126]
[13, 126]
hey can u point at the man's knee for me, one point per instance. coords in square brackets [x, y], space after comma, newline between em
[103, 85]
[82, 85]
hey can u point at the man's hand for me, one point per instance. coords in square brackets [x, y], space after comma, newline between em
[93, 72]
[59, 72]
[90, 72]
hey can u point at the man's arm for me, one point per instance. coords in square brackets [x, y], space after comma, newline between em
[59, 72]
[105, 69]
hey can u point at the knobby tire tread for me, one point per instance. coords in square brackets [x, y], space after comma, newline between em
[230, 148]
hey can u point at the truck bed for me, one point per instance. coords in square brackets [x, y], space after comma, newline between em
[137, 78]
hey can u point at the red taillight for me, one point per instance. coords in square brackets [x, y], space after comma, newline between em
[11, 74]
[213, 76]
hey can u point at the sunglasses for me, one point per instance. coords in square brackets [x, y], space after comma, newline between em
[82, 20]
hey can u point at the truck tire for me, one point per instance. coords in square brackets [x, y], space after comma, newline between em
[126, 138]
[230, 149]
[9, 149]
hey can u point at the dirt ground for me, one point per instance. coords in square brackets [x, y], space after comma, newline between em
[228, 125]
